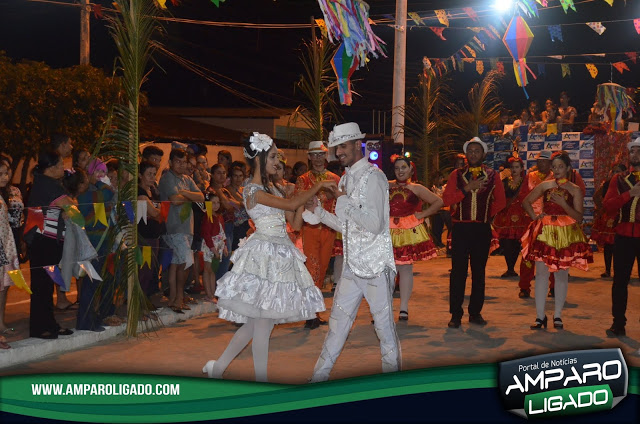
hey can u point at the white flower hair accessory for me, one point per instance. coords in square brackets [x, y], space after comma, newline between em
[259, 143]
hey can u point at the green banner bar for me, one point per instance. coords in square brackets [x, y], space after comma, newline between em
[572, 401]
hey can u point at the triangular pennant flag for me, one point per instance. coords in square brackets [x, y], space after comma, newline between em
[371, 22]
[555, 31]
[633, 56]
[128, 208]
[162, 4]
[323, 27]
[597, 27]
[476, 29]
[468, 59]
[621, 67]
[478, 43]
[416, 18]
[541, 68]
[35, 218]
[442, 17]
[542, 2]
[74, 214]
[90, 270]
[453, 63]
[138, 255]
[636, 23]
[217, 2]
[461, 65]
[146, 256]
[592, 69]
[566, 4]
[470, 50]
[165, 259]
[18, 280]
[490, 34]
[209, 207]
[495, 31]
[500, 67]
[185, 211]
[54, 273]
[552, 128]
[470, 13]
[479, 67]
[610, 2]
[142, 211]
[100, 214]
[438, 32]
[164, 210]
[565, 70]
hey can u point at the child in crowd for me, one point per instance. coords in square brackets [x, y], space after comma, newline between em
[75, 181]
[213, 248]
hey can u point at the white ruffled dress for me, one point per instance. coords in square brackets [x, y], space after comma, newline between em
[268, 278]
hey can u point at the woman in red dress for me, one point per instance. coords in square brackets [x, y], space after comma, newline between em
[554, 240]
[409, 236]
[511, 222]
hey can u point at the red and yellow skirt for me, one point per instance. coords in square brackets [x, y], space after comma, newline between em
[337, 245]
[411, 241]
[604, 229]
[558, 241]
[511, 223]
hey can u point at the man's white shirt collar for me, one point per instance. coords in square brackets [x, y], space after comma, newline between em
[359, 165]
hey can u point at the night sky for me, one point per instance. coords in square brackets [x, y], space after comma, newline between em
[268, 58]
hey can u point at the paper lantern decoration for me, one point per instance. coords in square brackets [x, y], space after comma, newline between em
[517, 38]
[615, 101]
[344, 66]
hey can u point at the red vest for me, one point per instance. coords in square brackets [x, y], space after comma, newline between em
[476, 205]
[630, 212]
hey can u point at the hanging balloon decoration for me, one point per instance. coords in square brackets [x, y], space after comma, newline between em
[615, 101]
[344, 66]
[517, 38]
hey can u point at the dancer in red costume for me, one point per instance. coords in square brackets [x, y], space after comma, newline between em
[554, 240]
[409, 236]
[511, 222]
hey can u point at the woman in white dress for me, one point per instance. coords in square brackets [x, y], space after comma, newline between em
[269, 283]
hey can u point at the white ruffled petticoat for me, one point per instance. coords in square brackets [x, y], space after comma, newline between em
[268, 278]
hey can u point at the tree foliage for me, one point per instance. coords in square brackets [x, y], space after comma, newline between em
[37, 101]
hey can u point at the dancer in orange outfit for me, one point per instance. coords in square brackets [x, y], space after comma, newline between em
[554, 240]
[409, 236]
[318, 240]
[511, 222]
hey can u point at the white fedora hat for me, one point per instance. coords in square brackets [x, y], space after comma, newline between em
[345, 132]
[475, 140]
[634, 143]
[317, 146]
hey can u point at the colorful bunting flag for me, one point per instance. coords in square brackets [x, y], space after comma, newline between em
[633, 56]
[470, 50]
[528, 7]
[185, 211]
[442, 17]
[164, 210]
[90, 270]
[541, 68]
[597, 27]
[35, 218]
[128, 208]
[74, 214]
[110, 263]
[453, 63]
[610, 2]
[542, 2]
[162, 4]
[566, 4]
[54, 273]
[217, 2]
[552, 129]
[636, 23]
[476, 29]
[479, 67]
[146, 256]
[500, 67]
[209, 208]
[18, 280]
[138, 256]
[621, 67]
[165, 259]
[100, 214]
[416, 18]
[592, 69]
[323, 26]
[142, 211]
[470, 13]
[565, 70]
[494, 31]
[438, 32]
[555, 31]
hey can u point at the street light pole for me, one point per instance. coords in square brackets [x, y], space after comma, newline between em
[399, 70]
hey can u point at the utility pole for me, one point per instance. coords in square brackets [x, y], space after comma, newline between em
[399, 70]
[85, 15]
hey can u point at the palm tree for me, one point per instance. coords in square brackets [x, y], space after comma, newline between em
[132, 30]
[317, 85]
[424, 120]
[483, 108]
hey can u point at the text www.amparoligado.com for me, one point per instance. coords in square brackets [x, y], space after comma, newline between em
[96, 389]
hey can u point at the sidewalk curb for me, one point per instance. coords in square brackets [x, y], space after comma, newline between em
[33, 349]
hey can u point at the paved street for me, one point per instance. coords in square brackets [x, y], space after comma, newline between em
[182, 349]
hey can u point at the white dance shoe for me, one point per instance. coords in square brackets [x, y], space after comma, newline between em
[208, 368]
